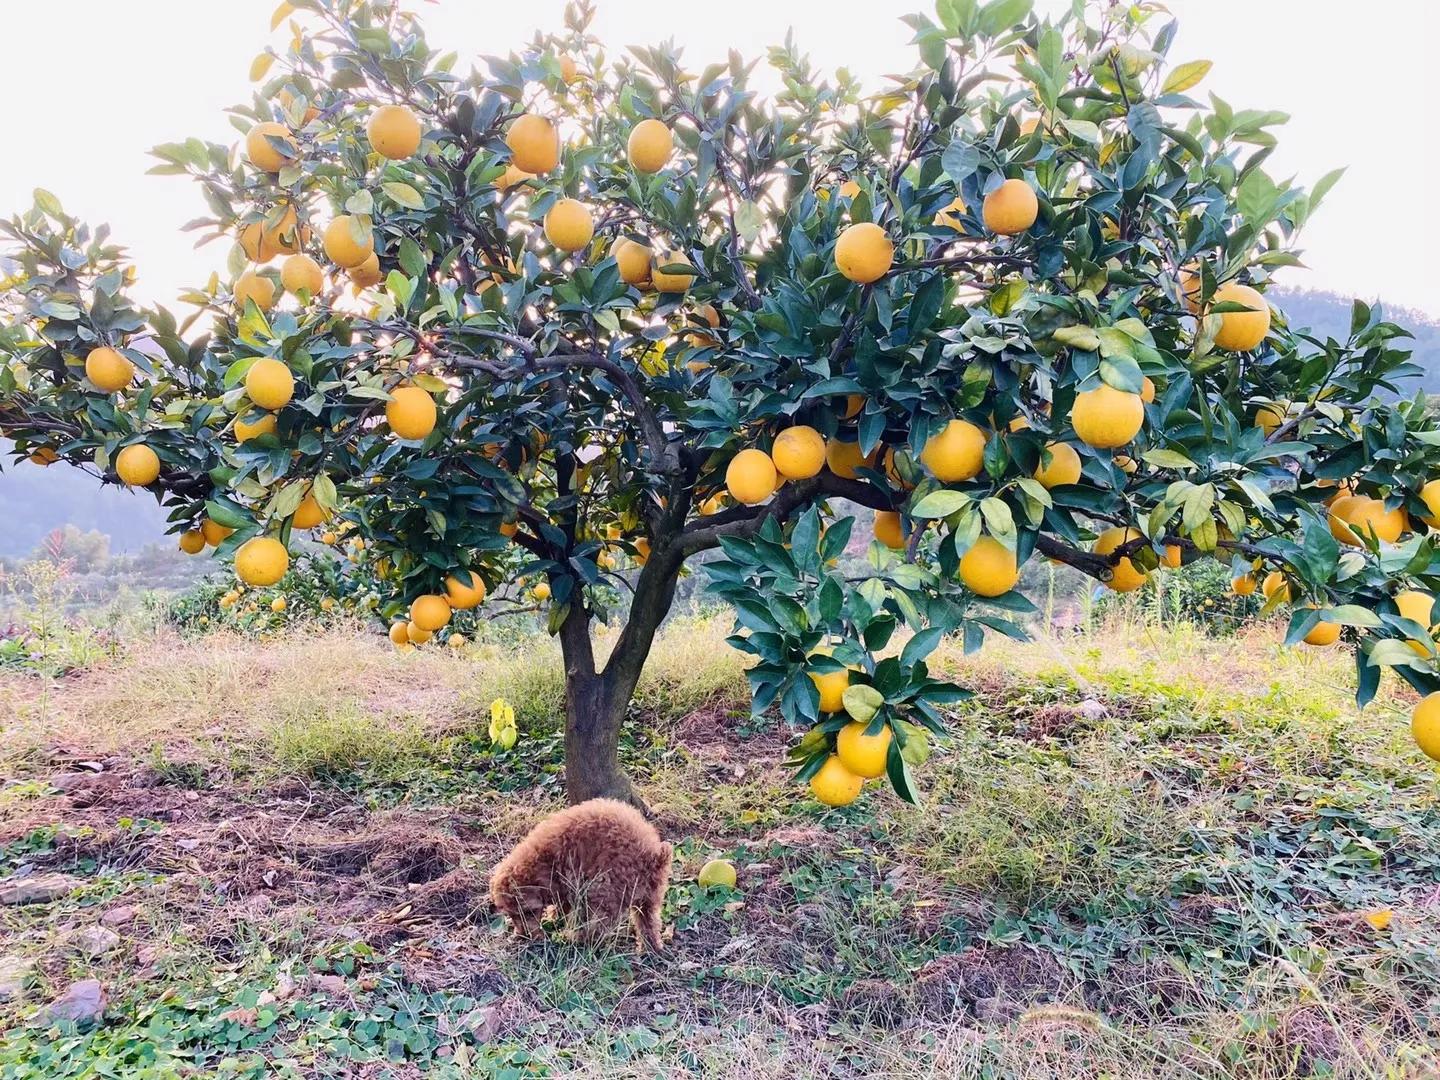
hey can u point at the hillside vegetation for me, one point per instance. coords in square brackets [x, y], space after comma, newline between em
[1142, 854]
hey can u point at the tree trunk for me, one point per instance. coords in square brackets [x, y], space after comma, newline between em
[596, 701]
[592, 740]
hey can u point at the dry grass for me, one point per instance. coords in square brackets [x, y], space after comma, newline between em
[1079, 834]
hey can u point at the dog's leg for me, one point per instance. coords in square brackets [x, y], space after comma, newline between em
[646, 921]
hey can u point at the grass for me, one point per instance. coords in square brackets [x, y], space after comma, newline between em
[1140, 854]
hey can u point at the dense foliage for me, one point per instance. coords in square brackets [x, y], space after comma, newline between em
[1011, 296]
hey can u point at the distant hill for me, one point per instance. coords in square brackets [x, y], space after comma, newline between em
[1328, 315]
[35, 501]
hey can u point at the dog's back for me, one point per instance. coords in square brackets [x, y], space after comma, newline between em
[599, 856]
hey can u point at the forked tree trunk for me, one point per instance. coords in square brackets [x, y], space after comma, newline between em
[592, 741]
[596, 701]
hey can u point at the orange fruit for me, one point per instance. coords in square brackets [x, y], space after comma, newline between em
[649, 146]
[864, 253]
[955, 453]
[394, 132]
[1011, 208]
[989, 568]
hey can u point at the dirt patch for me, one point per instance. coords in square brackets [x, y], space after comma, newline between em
[714, 734]
[460, 896]
[1142, 990]
[988, 981]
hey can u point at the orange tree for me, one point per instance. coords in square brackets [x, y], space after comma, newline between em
[583, 317]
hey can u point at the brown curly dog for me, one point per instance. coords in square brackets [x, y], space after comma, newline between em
[595, 862]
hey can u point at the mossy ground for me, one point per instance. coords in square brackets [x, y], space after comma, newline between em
[1141, 854]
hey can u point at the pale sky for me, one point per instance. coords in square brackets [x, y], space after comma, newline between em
[92, 84]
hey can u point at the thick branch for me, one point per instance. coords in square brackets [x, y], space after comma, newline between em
[705, 533]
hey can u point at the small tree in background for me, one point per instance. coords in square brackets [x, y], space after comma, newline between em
[576, 312]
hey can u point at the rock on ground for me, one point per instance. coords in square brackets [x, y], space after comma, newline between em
[83, 1003]
[37, 889]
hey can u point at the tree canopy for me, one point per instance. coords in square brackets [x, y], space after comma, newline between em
[578, 316]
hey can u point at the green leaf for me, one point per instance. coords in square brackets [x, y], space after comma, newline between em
[1186, 76]
[362, 202]
[1392, 652]
[999, 16]
[960, 161]
[999, 519]
[1167, 459]
[862, 702]
[403, 194]
[1352, 615]
[1078, 337]
[1123, 373]
[939, 504]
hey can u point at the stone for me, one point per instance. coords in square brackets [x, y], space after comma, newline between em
[93, 941]
[120, 916]
[37, 889]
[14, 972]
[82, 1003]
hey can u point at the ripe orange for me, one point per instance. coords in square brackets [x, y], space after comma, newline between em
[264, 426]
[1241, 331]
[1106, 418]
[262, 154]
[834, 784]
[308, 514]
[650, 146]
[1354, 516]
[830, 684]
[568, 225]
[394, 132]
[888, 529]
[1059, 465]
[1269, 417]
[672, 282]
[1125, 576]
[798, 452]
[256, 287]
[410, 412]
[213, 532]
[632, 260]
[1011, 208]
[301, 272]
[864, 253]
[343, 246]
[1425, 725]
[1244, 585]
[864, 755]
[464, 597]
[261, 561]
[269, 383]
[949, 214]
[1274, 584]
[261, 244]
[989, 568]
[844, 458]
[108, 369]
[1418, 607]
[192, 541]
[750, 477]
[534, 144]
[956, 452]
[137, 465]
[368, 273]
[1323, 634]
[430, 612]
